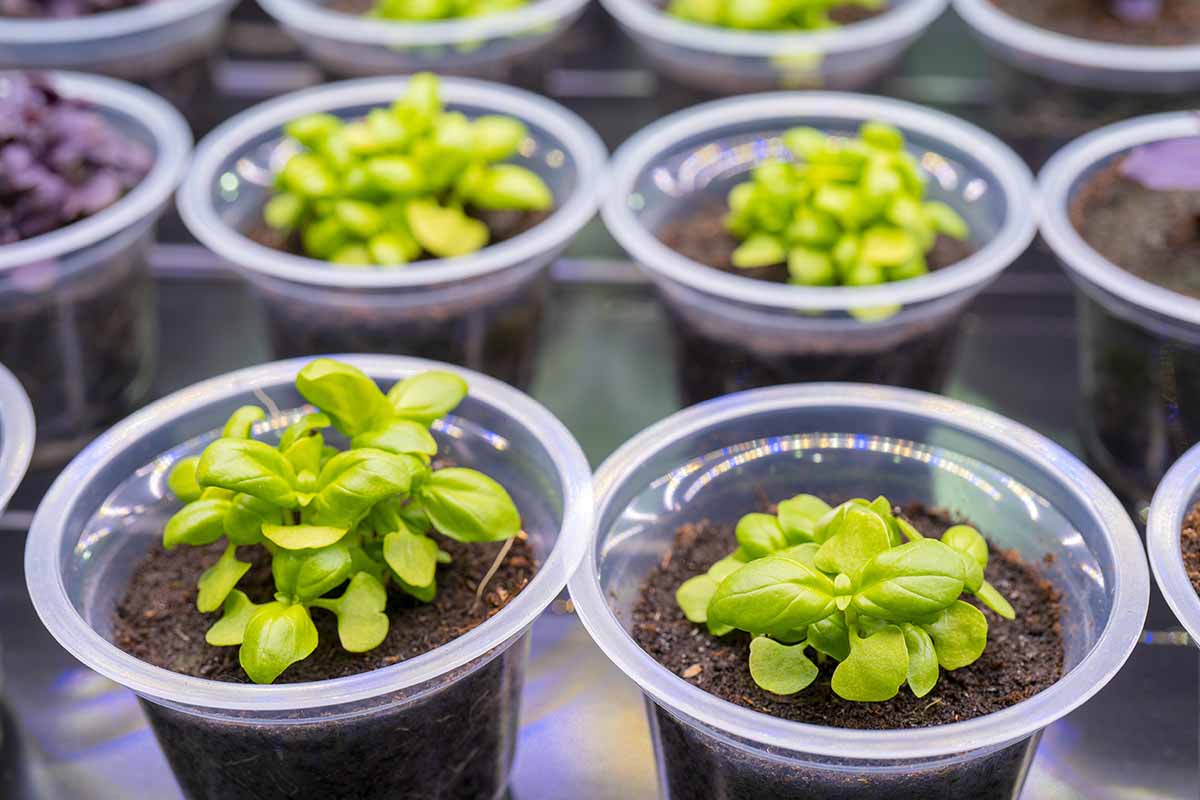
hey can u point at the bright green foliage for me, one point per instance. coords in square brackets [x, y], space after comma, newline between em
[396, 184]
[359, 518]
[431, 10]
[845, 213]
[854, 583]
[765, 15]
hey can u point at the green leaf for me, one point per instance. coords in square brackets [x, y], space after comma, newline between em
[181, 480]
[772, 596]
[241, 422]
[910, 582]
[922, 660]
[303, 537]
[198, 523]
[246, 516]
[231, 627]
[344, 393]
[303, 428]
[990, 597]
[250, 467]
[907, 530]
[694, 595]
[799, 516]
[875, 669]
[354, 481]
[412, 556]
[425, 594]
[759, 535]
[276, 637]
[805, 553]
[831, 636]
[362, 625]
[968, 542]
[307, 574]
[725, 567]
[883, 507]
[218, 581]
[428, 396]
[469, 506]
[305, 457]
[858, 536]
[399, 436]
[959, 635]
[778, 668]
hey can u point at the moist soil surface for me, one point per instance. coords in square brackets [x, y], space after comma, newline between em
[1023, 656]
[1177, 24]
[156, 620]
[703, 237]
[1152, 234]
[1191, 545]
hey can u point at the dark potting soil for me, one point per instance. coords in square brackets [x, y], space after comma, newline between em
[1023, 656]
[1177, 24]
[156, 619]
[1190, 545]
[1152, 234]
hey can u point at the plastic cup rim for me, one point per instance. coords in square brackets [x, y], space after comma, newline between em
[991, 22]
[121, 22]
[641, 151]
[44, 569]
[173, 145]
[318, 21]
[1164, 536]
[573, 135]
[893, 26]
[1059, 176]
[17, 434]
[1117, 641]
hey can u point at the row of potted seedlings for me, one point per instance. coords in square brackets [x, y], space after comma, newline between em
[792, 237]
[1127, 45]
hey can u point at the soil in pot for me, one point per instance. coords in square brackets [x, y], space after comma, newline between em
[1177, 24]
[1190, 545]
[711, 367]
[448, 742]
[1023, 657]
[498, 337]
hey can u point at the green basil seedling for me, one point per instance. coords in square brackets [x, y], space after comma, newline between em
[854, 583]
[363, 518]
[430, 10]
[765, 15]
[407, 179]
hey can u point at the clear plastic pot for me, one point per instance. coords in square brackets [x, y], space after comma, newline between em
[1139, 344]
[1178, 493]
[481, 310]
[441, 725]
[1081, 62]
[736, 332]
[16, 435]
[716, 460]
[729, 61]
[481, 47]
[78, 322]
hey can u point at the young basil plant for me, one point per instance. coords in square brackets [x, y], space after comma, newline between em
[854, 583]
[770, 15]
[846, 212]
[431, 10]
[361, 518]
[397, 183]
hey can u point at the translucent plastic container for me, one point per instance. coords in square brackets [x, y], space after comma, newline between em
[16, 435]
[481, 47]
[1178, 493]
[440, 725]
[736, 332]
[729, 61]
[1139, 344]
[140, 43]
[1081, 62]
[78, 322]
[718, 459]
[481, 310]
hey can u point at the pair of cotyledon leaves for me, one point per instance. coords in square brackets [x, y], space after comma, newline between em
[854, 583]
[362, 515]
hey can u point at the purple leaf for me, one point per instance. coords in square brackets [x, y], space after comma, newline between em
[1170, 166]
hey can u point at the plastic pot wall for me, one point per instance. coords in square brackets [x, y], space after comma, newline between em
[1176, 496]
[78, 322]
[718, 459]
[735, 332]
[482, 311]
[439, 725]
